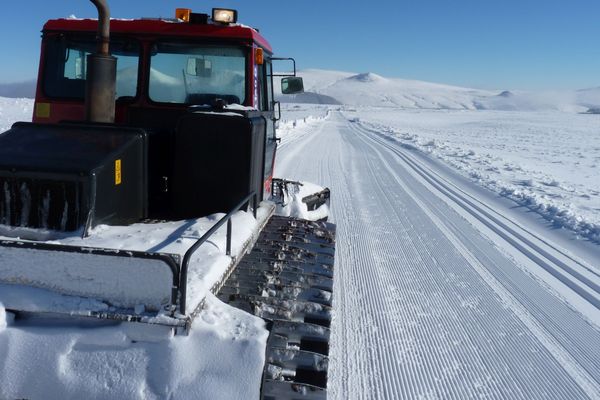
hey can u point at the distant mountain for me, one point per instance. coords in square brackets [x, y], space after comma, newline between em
[506, 94]
[19, 89]
[589, 98]
[369, 89]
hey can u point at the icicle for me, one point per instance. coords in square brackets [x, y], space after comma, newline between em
[45, 210]
[6, 217]
[25, 204]
[65, 216]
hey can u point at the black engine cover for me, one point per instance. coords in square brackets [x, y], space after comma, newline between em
[219, 161]
[69, 176]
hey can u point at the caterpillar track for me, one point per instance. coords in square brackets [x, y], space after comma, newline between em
[287, 279]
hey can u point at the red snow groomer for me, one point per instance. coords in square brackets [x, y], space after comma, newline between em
[140, 129]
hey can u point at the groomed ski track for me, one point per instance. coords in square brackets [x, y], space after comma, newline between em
[438, 295]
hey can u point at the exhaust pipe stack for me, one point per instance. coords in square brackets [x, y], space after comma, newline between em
[101, 82]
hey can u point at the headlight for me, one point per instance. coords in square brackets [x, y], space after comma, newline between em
[224, 16]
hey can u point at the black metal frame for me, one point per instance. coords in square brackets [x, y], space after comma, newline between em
[178, 267]
[204, 238]
[285, 59]
[171, 260]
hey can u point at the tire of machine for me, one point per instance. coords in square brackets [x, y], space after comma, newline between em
[287, 279]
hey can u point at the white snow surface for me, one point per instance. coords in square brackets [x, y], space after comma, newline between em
[3, 318]
[135, 361]
[434, 299]
[369, 89]
[130, 361]
[221, 358]
[445, 289]
[545, 161]
[13, 110]
[130, 282]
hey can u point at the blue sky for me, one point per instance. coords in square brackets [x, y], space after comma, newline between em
[508, 44]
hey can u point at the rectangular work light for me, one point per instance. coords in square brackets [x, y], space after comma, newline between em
[224, 15]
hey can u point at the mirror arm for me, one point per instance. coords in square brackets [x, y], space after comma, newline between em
[285, 59]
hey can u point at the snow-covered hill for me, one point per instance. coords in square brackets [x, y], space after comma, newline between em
[18, 89]
[546, 161]
[369, 89]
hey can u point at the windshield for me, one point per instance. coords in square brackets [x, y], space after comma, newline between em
[66, 65]
[197, 74]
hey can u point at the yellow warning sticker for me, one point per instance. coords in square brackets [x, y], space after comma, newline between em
[42, 110]
[117, 172]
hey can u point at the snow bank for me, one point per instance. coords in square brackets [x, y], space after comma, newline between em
[122, 281]
[544, 161]
[222, 358]
[13, 110]
[126, 282]
[286, 126]
[300, 121]
[3, 318]
[292, 131]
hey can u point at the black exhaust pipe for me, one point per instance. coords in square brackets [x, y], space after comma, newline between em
[101, 82]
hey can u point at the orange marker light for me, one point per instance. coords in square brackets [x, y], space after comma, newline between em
[259, 56]
[183, 14]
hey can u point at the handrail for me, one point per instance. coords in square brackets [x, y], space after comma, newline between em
[204, 238]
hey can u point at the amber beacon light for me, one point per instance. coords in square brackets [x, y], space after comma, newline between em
[183, 14]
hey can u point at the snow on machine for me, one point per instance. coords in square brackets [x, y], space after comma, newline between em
[141, 128]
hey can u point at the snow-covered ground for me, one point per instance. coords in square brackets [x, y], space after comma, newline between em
[444, 289]
[80, 359]
[128, 283]
[539, 149]
[545, 161]
[13, 110]
[447, 284]
[70, 360]
[131, 361]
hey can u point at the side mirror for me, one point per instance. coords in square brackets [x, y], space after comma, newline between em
[199, 67]
[292, 85]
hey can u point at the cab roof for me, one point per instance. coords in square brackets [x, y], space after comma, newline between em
[162, 28]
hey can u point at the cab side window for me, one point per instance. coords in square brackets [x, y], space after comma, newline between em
[269, 81]
[266, 86]
[65, 68]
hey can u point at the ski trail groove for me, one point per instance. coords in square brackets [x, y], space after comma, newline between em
[425, 307]
[586, 287]
[561, 355]
[578, 373]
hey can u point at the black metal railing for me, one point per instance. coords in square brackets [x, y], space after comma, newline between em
[188, 254]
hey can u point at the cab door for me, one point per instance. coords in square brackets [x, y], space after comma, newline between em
[267, 105]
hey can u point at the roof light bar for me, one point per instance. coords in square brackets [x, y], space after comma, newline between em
[224, 15]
